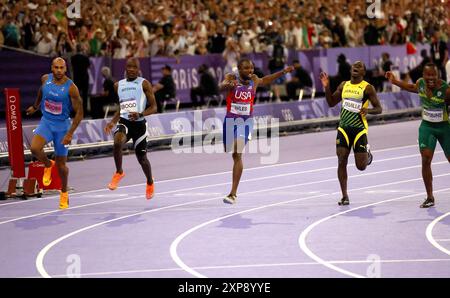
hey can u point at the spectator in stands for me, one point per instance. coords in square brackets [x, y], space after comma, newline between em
[157, 43]
[217, 40]
[95, 44]
[45, 43]
[2, 37]
[11, 32]
[278, 56]
[231, 55]
[30, 26]
[338, 32]
[64, 45]
[385, 66]
[439, 53]
[207, 86]
[355, 34]
[343, 73]
[198, 17]
[416, 72]
[108, 96]
[300, 79]
[371, 34]
[165, 89]
[80, 67]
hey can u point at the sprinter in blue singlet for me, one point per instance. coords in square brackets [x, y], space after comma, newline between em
[57, 97]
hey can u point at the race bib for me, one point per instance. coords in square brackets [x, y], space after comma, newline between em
[433, 115]
[129, 105]
[53, 107]
[240, 108]
[352, 105]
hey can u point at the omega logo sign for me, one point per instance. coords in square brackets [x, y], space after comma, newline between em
[13, 112]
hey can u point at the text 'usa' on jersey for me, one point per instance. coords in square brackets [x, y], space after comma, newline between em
[240, 100]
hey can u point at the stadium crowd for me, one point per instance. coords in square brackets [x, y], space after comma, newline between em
[142, 28]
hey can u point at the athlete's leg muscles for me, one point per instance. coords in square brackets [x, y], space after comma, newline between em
[361, 160]
[63, 171]
[427, 157]
[119, 139]
[238, 166]
[37, 149]
[145, 165]
[342, 154]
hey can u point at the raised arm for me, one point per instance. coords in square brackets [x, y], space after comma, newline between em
[266, 80]
[228, 83]
[373, 98]
[332, 98]
[403, 85]
[77, 106]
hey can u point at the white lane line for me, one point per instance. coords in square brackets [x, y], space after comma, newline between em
[429, 233]
[220, 173]
[220, 184]
[304, 234]
[43, 252]
[244, 266]
[177, 241]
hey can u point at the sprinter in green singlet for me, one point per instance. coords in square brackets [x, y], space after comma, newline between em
[434, 96]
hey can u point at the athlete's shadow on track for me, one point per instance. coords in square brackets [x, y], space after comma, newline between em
[118, 223]
[366, 213]
[38, 222]
[239, 222]
[432, 214]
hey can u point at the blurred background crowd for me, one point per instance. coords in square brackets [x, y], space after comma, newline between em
[143, 28]
[232, 28]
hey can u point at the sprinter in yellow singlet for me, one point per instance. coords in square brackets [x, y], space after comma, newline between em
[352, 131]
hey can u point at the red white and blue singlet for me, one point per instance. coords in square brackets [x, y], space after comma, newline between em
[238, 122]
[240, 100]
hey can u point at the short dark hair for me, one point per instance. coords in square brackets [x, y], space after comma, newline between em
[244, 60]
[430, 64]
[167, 66]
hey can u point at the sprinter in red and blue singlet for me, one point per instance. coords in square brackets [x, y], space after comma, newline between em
[238, 122]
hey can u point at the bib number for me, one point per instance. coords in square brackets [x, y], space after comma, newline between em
[129, 106]
[240, 108]
[433, 115]
[53, 107]
[352, 105]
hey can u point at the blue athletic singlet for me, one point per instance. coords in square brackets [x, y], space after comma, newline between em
[56, 107]
[131, 97]
[56, 104]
